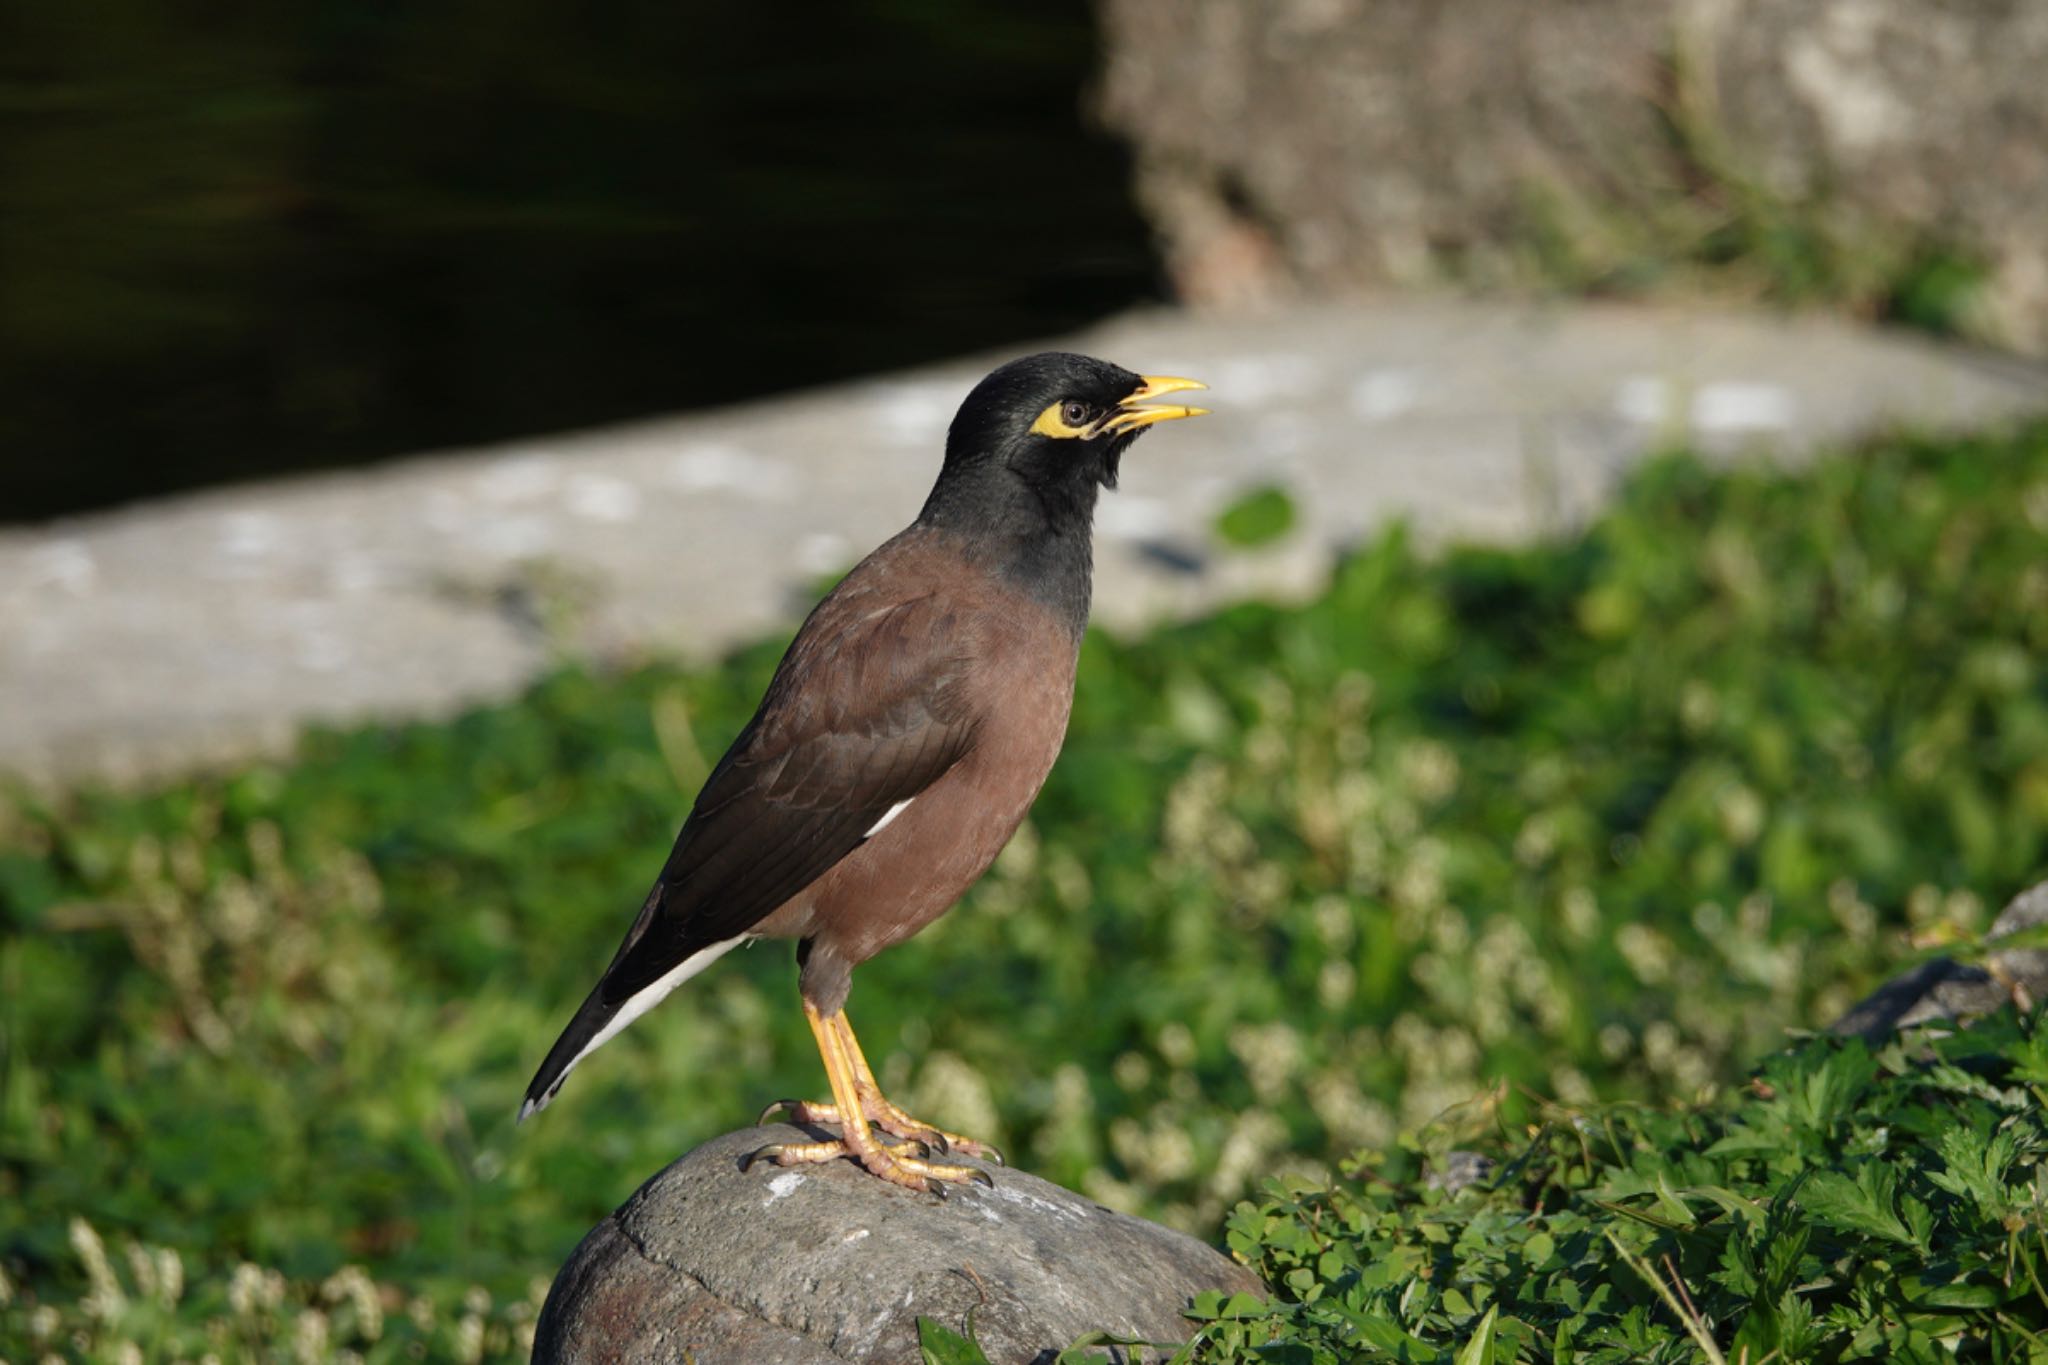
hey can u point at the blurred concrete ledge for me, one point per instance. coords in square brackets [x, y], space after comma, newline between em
[150, 640]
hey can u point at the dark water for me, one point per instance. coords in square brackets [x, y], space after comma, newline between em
[245, 238]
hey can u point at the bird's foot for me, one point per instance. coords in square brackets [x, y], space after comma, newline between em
[810, 1114]
[866, 1120]
[911, 1172]
[886, 1118]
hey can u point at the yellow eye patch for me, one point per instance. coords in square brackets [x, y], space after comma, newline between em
[1053, 421]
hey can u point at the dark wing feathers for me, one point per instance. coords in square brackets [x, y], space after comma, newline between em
[858, 718]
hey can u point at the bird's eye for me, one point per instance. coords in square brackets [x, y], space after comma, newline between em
[1066, 420]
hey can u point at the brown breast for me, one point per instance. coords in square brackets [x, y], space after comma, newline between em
[1021, 686]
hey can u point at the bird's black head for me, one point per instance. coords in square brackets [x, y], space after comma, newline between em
[1039, 436]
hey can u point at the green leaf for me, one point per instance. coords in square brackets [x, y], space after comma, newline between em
[1745, 1209]
[1478, 1348]
[1975, 1165]
[1832, 1089]
[1388, 1336]
[1868, 1203]
[1644, 1216]
[1674, 1207]
[938, 1344]
[1241, 1305]
[1082, 1352]
[1921, 1293]
[1258, 518]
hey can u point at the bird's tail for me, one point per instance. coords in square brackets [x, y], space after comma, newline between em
[577, 1042]
[603, 1014]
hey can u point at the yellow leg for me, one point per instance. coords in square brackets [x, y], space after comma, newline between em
[876, 1108]
[889, 1118]
[858, 1141]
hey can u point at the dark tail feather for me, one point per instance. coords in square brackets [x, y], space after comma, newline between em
[568, 1050]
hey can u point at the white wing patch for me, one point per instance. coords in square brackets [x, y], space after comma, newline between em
[892, 813]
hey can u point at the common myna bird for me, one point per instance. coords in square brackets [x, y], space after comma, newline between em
[903, 737]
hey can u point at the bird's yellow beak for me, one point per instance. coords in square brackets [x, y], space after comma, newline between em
[1129, 416]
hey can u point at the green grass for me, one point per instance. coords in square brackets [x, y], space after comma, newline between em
[1849, 1204]
[1592, 821]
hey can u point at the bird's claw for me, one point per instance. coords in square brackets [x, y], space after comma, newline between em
[978, 1177]
[896, 1144]
[951, 1143]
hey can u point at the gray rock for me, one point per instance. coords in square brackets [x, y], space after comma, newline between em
[710, 1264]
[1319, 146]
[1945, 990]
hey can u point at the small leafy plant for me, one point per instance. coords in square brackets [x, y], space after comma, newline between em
[1847, 1204]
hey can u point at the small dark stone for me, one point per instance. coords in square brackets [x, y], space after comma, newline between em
[708, 1263]
[1174, 556]
[1461, 1169]
[1947, 990]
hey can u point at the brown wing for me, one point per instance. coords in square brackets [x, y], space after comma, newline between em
[867, 709]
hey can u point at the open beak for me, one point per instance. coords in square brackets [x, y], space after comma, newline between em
[1130, 417]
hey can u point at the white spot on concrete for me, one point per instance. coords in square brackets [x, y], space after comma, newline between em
[513, 537]
[784, 1185]
[712, 467]
[445, 513]
[915, 413]
[1282, 435]
[249, 535]
[520, 478]
[357, 573]
[64, 564]
[1132, 518]
[600, 497]
[858, 1234]
[823, 552]
[1646, 399]
[1736, 406]
[317, 643]
[1255, 379]
[1380, 395]
[321, 654]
